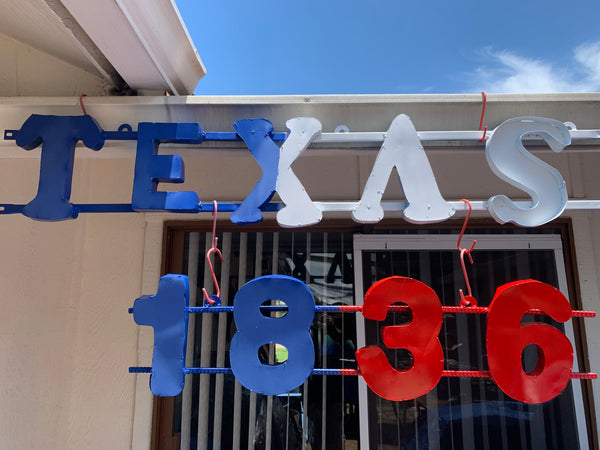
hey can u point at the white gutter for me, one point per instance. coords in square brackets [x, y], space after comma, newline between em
[145, 41]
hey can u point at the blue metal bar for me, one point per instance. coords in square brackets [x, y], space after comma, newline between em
[213, 370]
[125, 133]
[105, 208]
[140, 369]
[7, 208]
[227, 370]
[279, 308]
[10, 135]
[356, 372]
[121, 135]
[210, 309]
[230, 207]
[233, 136]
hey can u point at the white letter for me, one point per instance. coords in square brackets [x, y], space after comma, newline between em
[299, 210]
[510, 161]
[402, 149]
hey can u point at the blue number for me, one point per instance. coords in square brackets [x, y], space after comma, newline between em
[167, 313]
[255, 330]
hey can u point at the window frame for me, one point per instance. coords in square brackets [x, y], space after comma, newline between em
[173, 239]
[490, 242]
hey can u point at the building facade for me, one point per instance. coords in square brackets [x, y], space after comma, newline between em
[68, 339]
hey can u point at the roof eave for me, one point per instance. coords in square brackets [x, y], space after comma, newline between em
[147, 42]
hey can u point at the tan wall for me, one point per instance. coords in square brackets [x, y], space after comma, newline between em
[59, 77]
[66, 339]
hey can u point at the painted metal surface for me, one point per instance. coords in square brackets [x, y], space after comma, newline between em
[151, 168]
[299, 210]
[58, 136]
[168, 310]
[403, 150]
[510, 161]
[256, 135]
[506, 339]
[255, 330]
[419, 337]
[166, 313]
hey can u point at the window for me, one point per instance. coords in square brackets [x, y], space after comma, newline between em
[331, 412]
[465, 412]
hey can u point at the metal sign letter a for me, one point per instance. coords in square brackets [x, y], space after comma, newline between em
[402, 149]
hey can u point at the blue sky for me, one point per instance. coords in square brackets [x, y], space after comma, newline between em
[278, 47]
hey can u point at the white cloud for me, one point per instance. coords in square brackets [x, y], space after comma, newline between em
[588, 56]
[512, 73]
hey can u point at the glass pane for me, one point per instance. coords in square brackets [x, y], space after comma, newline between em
[464, 412]
[320, 414]
[215, 412]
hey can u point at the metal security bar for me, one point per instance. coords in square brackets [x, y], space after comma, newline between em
[217, 412]
[460, 412]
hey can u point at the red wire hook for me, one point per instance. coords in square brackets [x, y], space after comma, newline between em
[467, 300]
[81, 104]
[482, 115]
[212, 250]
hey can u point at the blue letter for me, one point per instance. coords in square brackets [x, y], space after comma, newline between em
[58, 136]
[167, 313]
[150, 168]
[255, 132]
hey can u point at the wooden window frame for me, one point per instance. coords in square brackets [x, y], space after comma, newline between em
[162, 437]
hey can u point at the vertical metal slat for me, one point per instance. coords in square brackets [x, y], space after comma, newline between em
[462, 337]
[205, 350]
[186, 401]
[221, 340]
[252, 412]
[305, 393]
[269, 418]
[431, 400]
[237, 395]
[324, 354]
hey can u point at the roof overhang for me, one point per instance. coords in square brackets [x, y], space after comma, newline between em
[143, 44]
[146, 42]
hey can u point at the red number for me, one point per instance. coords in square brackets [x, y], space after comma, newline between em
[420, 337]
[506, 339]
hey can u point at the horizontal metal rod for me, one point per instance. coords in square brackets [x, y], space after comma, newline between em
[358, 308]
[477, 205]
[356, 372]
[392, 308]
[589, 137]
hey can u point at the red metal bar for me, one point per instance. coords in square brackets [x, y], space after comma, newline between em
[465, 310]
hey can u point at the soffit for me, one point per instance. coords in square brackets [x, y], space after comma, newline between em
[143, 43]
[33, 22]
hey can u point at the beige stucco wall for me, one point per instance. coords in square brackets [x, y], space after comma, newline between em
[66, 339]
